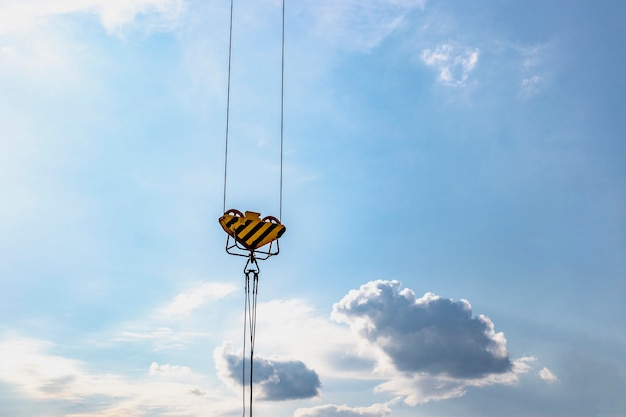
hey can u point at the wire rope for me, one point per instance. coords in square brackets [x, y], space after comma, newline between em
[245, 334]
[230, 54]
[282, 113]
[252, 312]
[249, 330]
[282, 108]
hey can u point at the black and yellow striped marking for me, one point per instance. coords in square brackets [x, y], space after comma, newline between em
[250, 230]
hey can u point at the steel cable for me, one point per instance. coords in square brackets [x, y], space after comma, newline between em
[282, 108]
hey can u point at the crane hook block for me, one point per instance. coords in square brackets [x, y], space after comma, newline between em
[250, 230]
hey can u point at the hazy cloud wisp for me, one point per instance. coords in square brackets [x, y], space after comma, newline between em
[114, 14]
[359, 25]
[184, 303]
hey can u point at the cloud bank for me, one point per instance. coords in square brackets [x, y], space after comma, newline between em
[331, 410]
[277, 380]
[29, 367]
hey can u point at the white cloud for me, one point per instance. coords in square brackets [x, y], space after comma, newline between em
[331, 410]
[453, 62]
[168, 370]
[286, 327]
[547, 375]
[185, 303]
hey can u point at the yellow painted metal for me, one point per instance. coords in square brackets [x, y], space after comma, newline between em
[250, 230]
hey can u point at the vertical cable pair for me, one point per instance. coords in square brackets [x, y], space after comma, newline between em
[282, 107]
[249, 318]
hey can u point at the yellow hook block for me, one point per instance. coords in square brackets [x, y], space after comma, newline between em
[250, 230]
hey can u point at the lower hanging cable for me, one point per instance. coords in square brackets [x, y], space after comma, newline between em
[251, 270]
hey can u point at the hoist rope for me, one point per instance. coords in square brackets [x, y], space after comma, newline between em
[282, 112]
[255, 289]
[245, 334]
[230, 54]
[282, 107]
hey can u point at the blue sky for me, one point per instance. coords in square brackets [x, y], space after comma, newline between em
[453, 194]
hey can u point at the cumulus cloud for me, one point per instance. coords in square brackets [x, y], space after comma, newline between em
[547, 375]
[331, 410]
[429, 334]
[430, 348]
[453, 62]
[276, 379]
